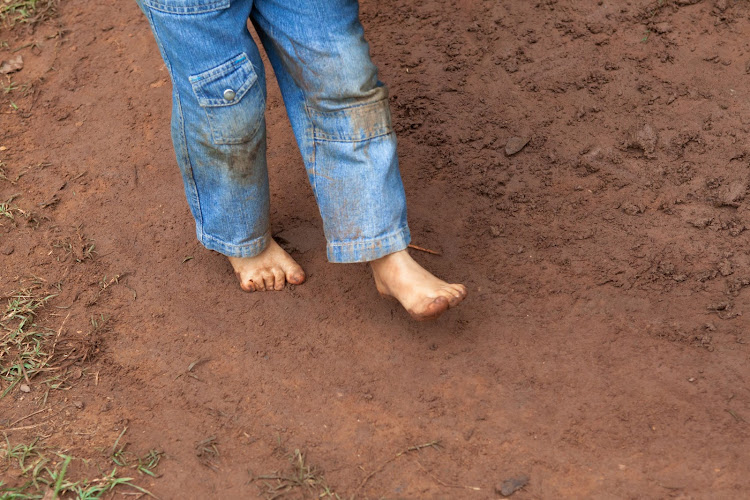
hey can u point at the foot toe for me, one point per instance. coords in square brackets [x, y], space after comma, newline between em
[432, 310]
[458, 293]
[454, 298]
[258, 283]
[278, 279]
[247, 285]
[295, 276]
[268, 280]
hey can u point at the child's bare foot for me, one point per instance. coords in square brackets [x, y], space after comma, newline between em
[269, 270]
[423, 295]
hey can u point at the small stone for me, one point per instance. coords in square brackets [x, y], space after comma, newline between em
[25, 388]
[11, 65]
[691, 379]
[733, 194]
[645, 139]
[8, 250]
[515, 144]
[494, 231]
[631, 208]
[510, 486]
[726, 268]
[78, 404]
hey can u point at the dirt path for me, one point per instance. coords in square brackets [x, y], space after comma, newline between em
[603, 349]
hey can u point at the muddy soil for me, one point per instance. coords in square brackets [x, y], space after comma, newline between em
[602, 351]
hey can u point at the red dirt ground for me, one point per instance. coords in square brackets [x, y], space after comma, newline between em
[602, 350]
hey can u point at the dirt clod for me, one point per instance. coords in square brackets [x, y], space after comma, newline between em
[511, 485]
[733, 194]
[515, 145]
[645, 140]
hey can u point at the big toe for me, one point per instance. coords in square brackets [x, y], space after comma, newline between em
[247, 285]
[431, 309]
[295, 275]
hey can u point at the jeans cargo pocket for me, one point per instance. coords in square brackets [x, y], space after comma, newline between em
[187, 6]
[353, 124]
[232, 99]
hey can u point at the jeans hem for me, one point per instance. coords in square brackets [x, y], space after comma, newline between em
[370, 249]
[251, 249]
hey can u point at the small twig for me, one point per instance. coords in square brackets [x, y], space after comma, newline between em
[736, 417]
[54, 345]
[437, 479]
[9, 429]
[432, 444]
[114, 448]
[25, 375]
[27, 416]
[113, 280]
[426, 250]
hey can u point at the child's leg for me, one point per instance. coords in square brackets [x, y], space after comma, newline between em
[219, 132]
[340, 116]
[341, 119]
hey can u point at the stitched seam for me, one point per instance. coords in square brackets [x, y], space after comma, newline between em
[186, 152]
[259, 241]
[362, 139]
[220, 70]
[376, 103]
[370, 241]
[196, 9]
[311, 131]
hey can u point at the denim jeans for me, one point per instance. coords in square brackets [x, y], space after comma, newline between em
[337, 107]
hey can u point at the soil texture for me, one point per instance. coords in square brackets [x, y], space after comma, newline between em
[581, 166]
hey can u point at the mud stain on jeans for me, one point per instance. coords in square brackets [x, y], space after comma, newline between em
[246, 163]
[243, 163]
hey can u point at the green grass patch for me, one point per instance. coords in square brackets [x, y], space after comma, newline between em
[13, 12]
[23, 351]
[145, 465]
[43, 473]
[300, 478]
[9, 212]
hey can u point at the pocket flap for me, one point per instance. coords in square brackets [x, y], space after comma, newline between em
[236, 75]
[352, 124]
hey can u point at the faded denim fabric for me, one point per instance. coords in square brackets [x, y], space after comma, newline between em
[337, 107]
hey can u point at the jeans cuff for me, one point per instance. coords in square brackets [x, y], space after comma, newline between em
[249, 249]
[369, 249]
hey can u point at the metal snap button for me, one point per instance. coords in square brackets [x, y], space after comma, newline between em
[229, 95]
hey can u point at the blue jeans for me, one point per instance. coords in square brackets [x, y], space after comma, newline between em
[337, 107]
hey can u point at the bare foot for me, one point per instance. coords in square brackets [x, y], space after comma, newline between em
[423, 295]
[269, 270]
